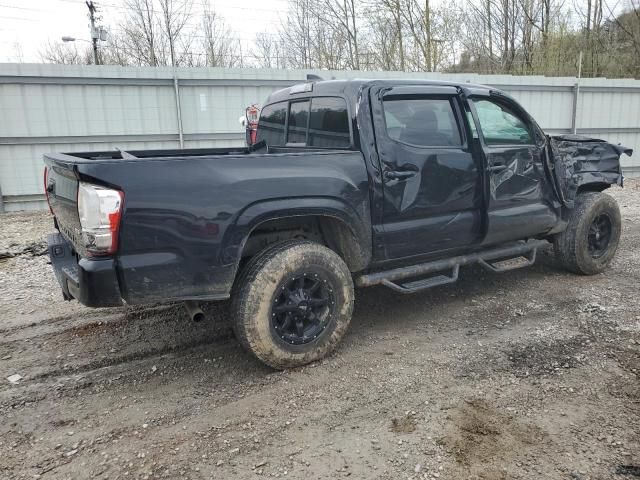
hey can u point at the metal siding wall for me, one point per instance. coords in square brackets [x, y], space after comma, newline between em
[47, 108]
[80, 110]
[551, 109]
[599, 111]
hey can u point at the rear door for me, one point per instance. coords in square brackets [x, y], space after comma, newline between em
[431, 182]
[517, 190]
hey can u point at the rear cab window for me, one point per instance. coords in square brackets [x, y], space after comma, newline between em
[298, 123]
[272, 123]
[321, 122]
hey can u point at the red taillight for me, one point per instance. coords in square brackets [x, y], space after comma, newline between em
[114, 224]
[252, 114]
[46, 188]
[100, 210]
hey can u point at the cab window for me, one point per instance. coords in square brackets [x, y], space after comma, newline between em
[424, 122]
[298, 123]
[317, 122]
[329, 123]
[271, 124]
[500, 125]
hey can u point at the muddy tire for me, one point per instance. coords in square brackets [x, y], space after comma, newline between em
[591, 239]
[292, 303]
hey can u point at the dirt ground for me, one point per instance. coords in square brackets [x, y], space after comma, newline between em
[525, 375]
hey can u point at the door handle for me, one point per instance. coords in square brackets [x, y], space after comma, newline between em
[399, 174]
[497, 168]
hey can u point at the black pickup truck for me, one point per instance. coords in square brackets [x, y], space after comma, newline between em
[397, 183]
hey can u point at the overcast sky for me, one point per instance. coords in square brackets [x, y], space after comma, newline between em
[25, 25]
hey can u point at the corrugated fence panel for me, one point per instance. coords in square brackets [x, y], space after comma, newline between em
[80, 110]
[617, 109]
[48, 108]
[551, 109]
[217, 108]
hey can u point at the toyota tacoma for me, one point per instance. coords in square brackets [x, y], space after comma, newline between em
[350, 183]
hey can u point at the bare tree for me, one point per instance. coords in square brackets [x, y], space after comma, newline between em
[627, 30]
[175, 14]
[141, 33]
[485, 36]
[386, 42]
[153, 29]
[298, 33]
[66, 54]
[18, 52]
[220, 48]
[387, 34]
[269, 51]
[339, 17]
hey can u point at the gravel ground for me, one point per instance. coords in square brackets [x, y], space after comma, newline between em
[526, 375]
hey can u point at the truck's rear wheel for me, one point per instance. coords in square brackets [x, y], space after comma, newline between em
[591, 239]
[293, 303]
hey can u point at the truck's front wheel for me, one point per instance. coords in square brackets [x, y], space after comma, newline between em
[293, 303]
[591, 239]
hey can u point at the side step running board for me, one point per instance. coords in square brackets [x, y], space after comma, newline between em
[500, 259]
[513, 263]
[417, 285]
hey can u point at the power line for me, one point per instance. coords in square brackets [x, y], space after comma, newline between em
[22, 18]
[26, 8]
[214, 10]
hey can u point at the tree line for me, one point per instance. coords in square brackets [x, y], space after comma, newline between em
[521, 37]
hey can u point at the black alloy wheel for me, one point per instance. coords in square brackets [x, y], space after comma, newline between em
[599, 235]
[302, 309]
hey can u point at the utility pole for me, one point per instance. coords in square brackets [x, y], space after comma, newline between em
[95, 34]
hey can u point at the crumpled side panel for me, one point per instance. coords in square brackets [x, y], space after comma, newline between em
[582, 160]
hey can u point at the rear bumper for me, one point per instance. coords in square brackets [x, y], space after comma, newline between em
[93, 283]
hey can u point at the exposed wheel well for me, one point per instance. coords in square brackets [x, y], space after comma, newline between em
[593, 187]
[324, 229]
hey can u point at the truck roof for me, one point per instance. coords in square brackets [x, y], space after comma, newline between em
[350, 87]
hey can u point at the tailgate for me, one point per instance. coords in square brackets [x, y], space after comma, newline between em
[61, 186]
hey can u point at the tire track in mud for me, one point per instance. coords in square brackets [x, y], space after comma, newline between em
[64, 382]
[109, 362]
[220, 344]
[71, 354]
[102, 314]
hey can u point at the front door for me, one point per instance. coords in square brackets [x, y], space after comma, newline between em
[431, 182]
[514, 150]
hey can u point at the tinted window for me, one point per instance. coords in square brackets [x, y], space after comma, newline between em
[500, 125]
[329, 123]
[271, 124]
[421, 121]
[298, 116]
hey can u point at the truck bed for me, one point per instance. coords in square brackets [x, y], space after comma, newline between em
[187, 213]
